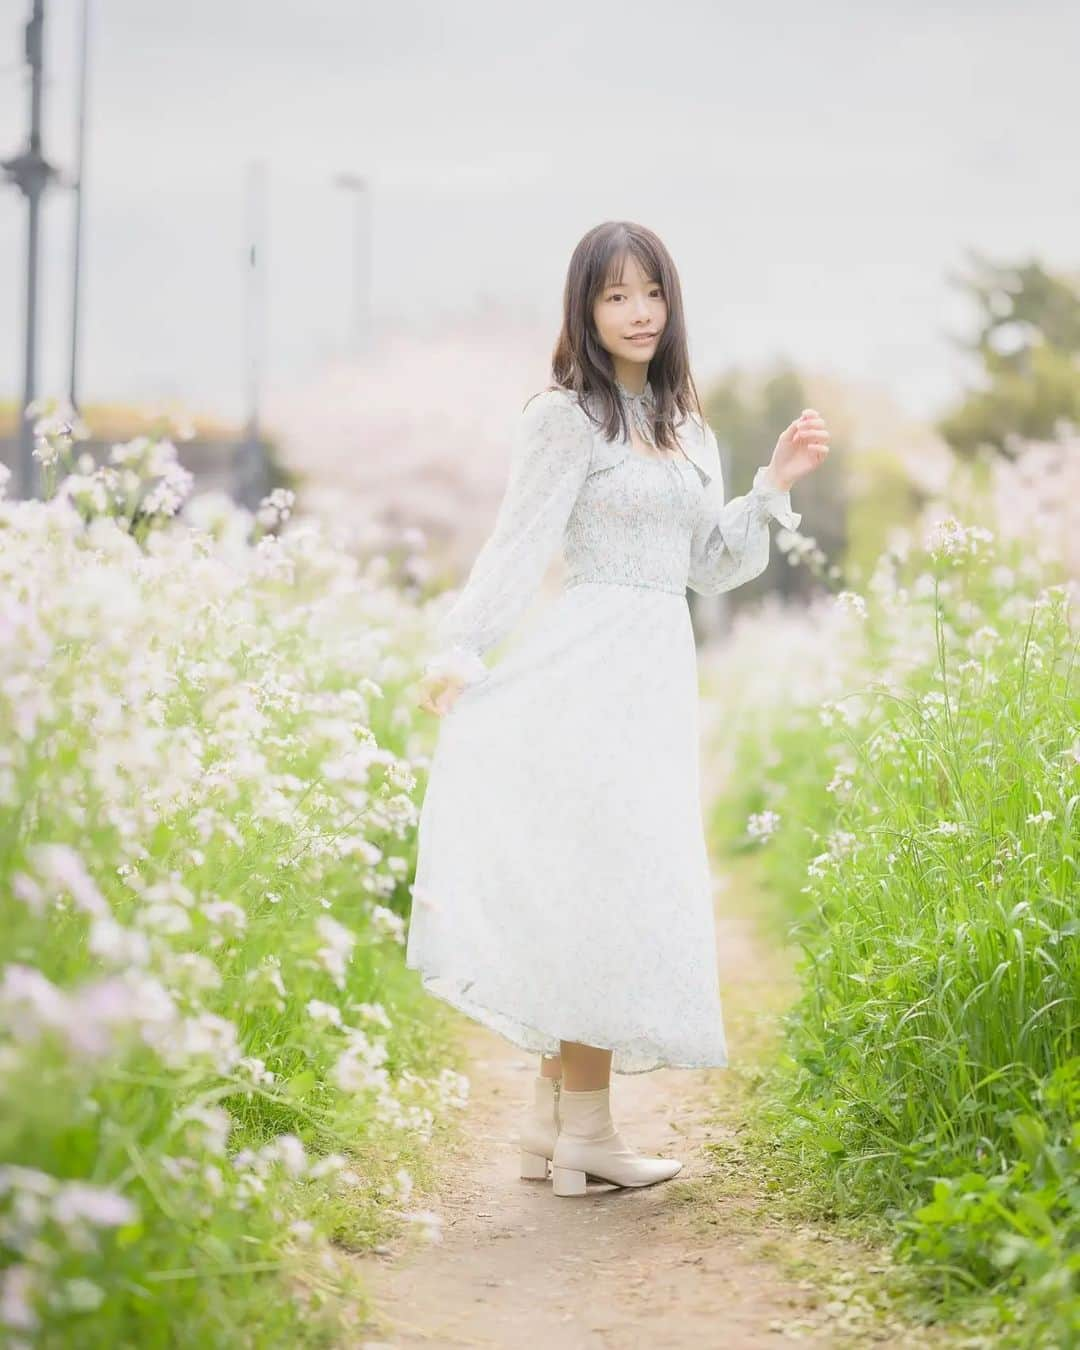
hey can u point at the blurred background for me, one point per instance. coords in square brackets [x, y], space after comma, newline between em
[334, 235]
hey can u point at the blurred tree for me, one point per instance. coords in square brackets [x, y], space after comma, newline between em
[1028, 343]
[748, 415]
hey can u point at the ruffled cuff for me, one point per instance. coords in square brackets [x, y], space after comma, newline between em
[461, 662]
[774, 501]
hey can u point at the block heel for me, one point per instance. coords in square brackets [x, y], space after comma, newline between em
[589, 1148]
[533, 1166]
[567, 1181]
[538, 1129]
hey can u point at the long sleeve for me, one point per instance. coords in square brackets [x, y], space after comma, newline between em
[730, 543]
[548, 465]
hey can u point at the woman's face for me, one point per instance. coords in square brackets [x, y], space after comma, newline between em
[630, 316]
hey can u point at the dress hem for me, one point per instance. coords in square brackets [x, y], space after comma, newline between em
[529, 1037]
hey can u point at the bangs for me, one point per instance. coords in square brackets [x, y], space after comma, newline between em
[615, 266]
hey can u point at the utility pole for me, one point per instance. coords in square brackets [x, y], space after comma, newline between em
[256, 289]
[252, 477]
[76, 279]
[361, 319]
[30, 172]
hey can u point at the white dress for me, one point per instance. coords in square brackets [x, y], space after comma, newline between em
[562, 883]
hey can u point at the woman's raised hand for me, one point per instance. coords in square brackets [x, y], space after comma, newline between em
[800, 450]
[438, 693]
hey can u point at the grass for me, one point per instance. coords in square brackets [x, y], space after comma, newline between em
[919, 836]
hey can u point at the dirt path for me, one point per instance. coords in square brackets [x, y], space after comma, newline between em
[692, 1262]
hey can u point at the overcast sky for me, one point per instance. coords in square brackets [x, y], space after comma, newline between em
[815, 170]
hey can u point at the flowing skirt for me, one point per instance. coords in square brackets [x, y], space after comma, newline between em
[562, 888]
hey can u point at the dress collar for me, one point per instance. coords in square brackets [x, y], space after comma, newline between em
[645, 398]
[639, 409]
[697, 445]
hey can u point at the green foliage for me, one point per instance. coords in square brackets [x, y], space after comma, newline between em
[927, 852]
[882, 499]
[1028, 345]
[748, 418]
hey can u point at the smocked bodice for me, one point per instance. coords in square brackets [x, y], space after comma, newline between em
[633, 520]
[619, 517]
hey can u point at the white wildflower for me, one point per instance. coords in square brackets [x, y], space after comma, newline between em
[17, 1291]
[208, 1126]
[254, 1069]
[319, 1011]
[118, 946]
[949, 539]
[59, 866]
[841, 843]
[850, 600]
[842, 781]
[337, 949]
[387, 923]
[762, 825]
[225, 914]
[275, 508]
[374, 1011]
[818, 866]
[80, 1202]
[289, 1151]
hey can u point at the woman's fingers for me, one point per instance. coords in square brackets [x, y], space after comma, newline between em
[811, 429]
[439, 695]
[434, 692]
[811, 434]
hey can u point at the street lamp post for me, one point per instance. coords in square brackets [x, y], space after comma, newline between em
[76, 280]
[31, 173]
[361, 322]
[251, 477]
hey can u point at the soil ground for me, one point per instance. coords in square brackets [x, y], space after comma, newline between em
[692, 1262]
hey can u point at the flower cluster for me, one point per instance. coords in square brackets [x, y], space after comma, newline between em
[208, 756]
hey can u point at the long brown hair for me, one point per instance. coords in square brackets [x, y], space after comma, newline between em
[582, 365]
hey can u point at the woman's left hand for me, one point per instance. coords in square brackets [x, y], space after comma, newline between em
[800, 450]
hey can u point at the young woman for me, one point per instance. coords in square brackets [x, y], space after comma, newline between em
[563, 895]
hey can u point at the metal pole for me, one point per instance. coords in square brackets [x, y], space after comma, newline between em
[28, 465]
[77, 243]
[255, 291]
[361, 317]
[252, 485]
[35, 45]
[30, 172]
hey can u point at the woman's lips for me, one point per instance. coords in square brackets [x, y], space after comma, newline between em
[642, 338]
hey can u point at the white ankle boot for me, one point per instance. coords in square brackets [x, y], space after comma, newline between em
[538, 1129]
[589, 1148]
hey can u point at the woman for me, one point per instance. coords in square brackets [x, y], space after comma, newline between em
[562, 893]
